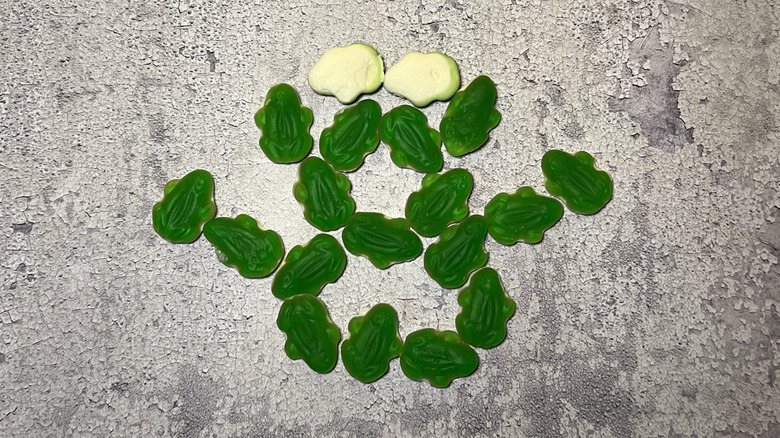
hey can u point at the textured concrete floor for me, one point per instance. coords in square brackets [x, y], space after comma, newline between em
[658, 316]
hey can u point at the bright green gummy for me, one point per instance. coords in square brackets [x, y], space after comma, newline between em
[311, 335]
[413, 144]
[187, 204]
[307, 269]
[484, 310]
[469, 117]
[285, 125]
[384, 241]
[353, 135]
[523, 215]
[459, 251]
[323, 194]
[374, 340]
[241, 243]
[442, 200]
[575, 179]
[437, 356]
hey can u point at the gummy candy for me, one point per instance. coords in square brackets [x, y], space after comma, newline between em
[240, 243]
[437, 356]
[307, 269]
[323, 194]
[459, 251]
[575, 179]
[485, 310]
[347, 72]
[442, 200]
[285, 125]
[423, 78]
[353, 135]
[311, 335]
[373, 342]
[413, 144]
[469, 117]
[187, 204]
[523, 215]
[384, 241]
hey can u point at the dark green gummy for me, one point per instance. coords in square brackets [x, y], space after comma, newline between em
[374, 340]
[484, 310]
[469, 117]
[187, 204]
[307, 269]
[353, 135]
[384, 241]
[459, 251]
[438, 357]
[521, 216]
[311, 335]
[241, 243]
[575, 179]
[285, 125]
[323, 194]
[442, 200]
[413, 144]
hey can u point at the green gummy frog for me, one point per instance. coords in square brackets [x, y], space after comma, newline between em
[485, 310]
[413, 144]
[575, 179]
[384, 241]
[442, 200]
[311, 335]
[459, 251]
[353, 135]
[187, 204]
[524, 215]
[469, 117]
[285, 125]
[323, 194]
[307, 269]
[437, 356]
[374, 340]
[242, 244]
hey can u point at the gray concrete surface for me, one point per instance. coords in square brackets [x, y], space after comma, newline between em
[656, 317]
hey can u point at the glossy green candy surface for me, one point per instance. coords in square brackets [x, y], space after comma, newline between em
[575, 179]
[374, 340]
[307, 269]
[442, 200]
[187, 204]
[311, 335]
[413, 144]
[521, 216]
[285, 125]
[459, 251]
[241, 243]
[437, 356]
[484, 310]
[383, 240]
[470, 116]
[323, 194]
[353, 135]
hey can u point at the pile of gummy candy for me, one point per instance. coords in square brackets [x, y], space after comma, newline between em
[439, 208]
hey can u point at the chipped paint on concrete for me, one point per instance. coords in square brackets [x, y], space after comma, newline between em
[656, 317]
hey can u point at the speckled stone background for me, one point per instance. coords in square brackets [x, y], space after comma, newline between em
[659, 316]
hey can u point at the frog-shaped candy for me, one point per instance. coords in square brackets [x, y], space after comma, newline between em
[383, 240]
[374, 340]
[575, 179]
[285, 125]
[437, 356]
[442, 200]
[307, 269]
[324, 195]
[241, 243]
[187, 204]
[523, 215]
[353, 135]
[484, 310]
[311, 335]
[469, 117]
[412, 142]
[459, 251]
